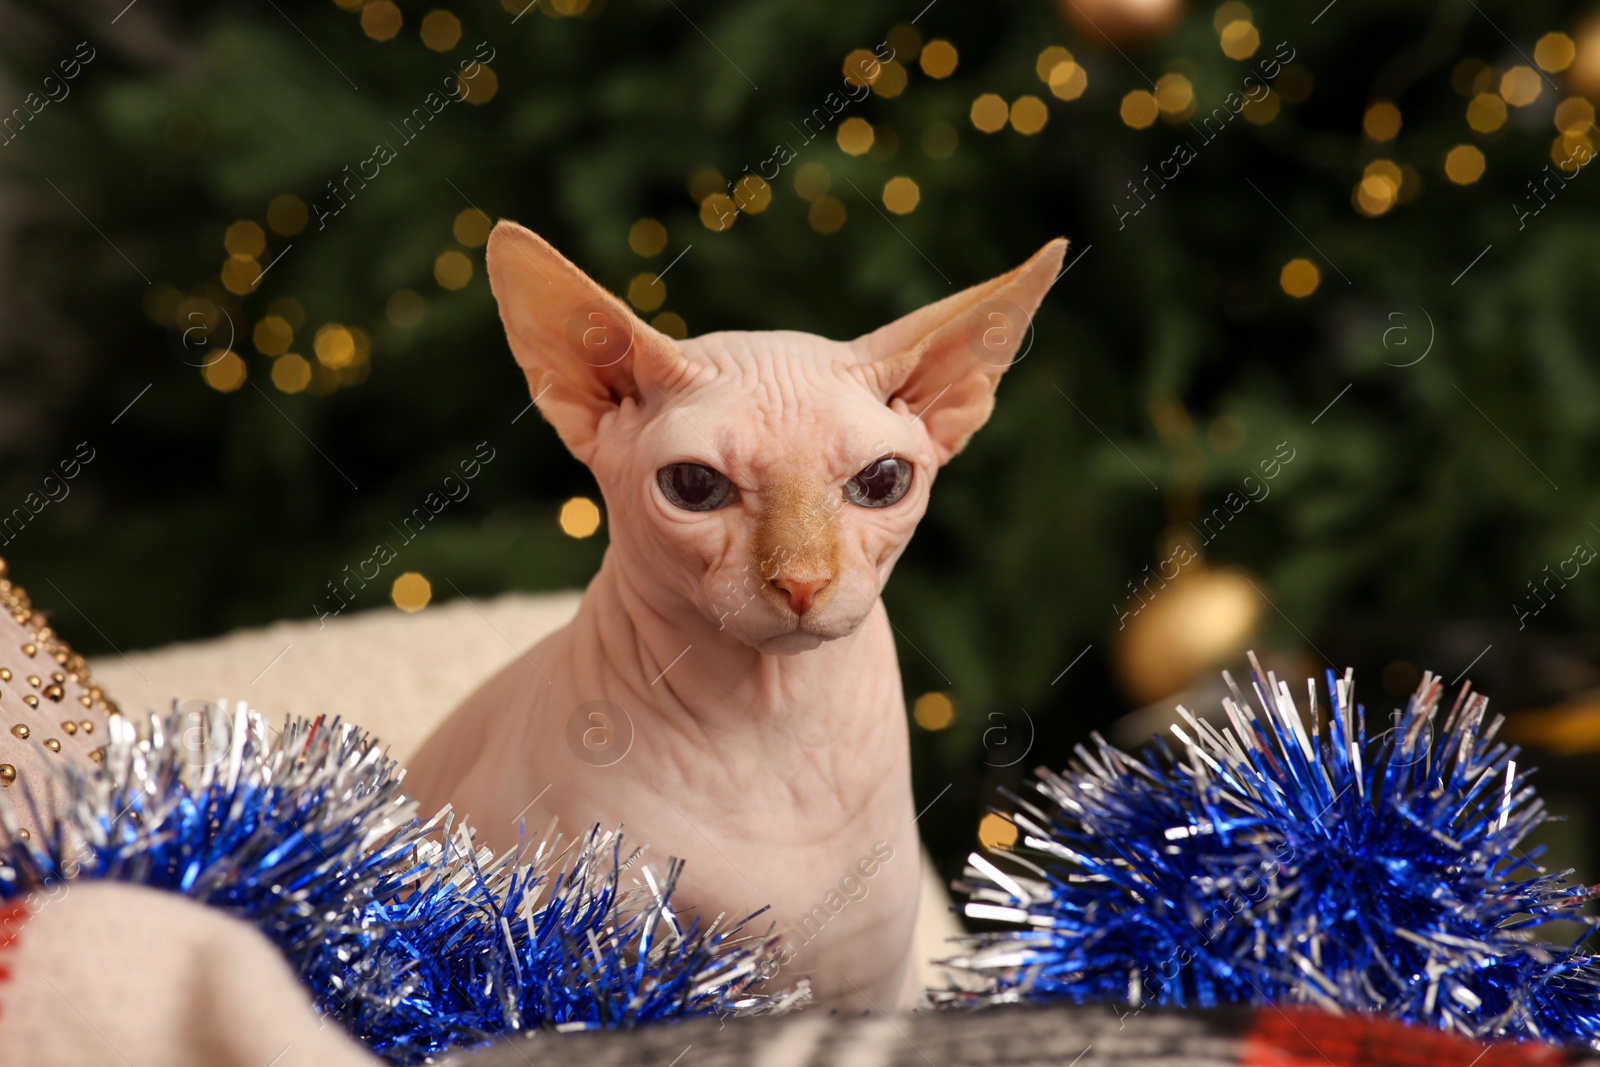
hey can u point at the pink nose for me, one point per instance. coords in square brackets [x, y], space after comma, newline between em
[801, 594]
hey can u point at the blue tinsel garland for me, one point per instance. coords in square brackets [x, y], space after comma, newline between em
[411, 939]
[1280, 862]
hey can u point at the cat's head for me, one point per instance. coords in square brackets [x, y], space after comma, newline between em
[767, 479]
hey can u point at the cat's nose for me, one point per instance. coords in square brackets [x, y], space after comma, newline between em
[801, 594]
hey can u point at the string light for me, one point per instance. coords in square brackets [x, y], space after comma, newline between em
[1521, 86]
[1029, 115]
[452, 270]
[990, 113]
[1139, 109]
[245, 238]
[287, 215]
[273, 335]
[381, 20]
[671, 324]
[291, 373]
[827, 214]
[471, 228]
[411, 592]
[647, 291]
[441, 30]
[855, 136]
[1175, 97]
[647, 238]
[240, 275]
[1486, 112]
[1299, 278]
[1240, 39]
[1382, 121]
[891, 80]
[901, 195]
[226, 373]
[933, 711]
[812, 180]
[939, 59]
[1464, 164]
[580, 517]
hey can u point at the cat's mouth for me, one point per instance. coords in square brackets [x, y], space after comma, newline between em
[792, 643]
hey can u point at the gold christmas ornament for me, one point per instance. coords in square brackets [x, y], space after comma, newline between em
[1176, 630]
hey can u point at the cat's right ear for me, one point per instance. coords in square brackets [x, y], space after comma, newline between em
[581, 348]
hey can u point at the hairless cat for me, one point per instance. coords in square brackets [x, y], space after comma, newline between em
[728, 690]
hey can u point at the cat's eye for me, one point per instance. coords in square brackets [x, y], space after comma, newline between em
[694, 487]
[880, 483]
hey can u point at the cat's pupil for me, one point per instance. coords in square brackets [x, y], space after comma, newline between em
[694, 483]
[694, 486]
[880, 483]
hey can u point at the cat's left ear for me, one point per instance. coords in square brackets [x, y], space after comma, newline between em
[944, 361]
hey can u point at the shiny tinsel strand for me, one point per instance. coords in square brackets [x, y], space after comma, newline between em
[1277, 862]
[416, 942]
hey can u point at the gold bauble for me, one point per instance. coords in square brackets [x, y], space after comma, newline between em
[1122, 22]
[1199, 619]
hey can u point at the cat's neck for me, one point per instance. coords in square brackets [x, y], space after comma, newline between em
[677, 664]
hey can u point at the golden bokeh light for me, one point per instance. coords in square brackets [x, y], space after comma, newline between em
[990, 113]
[1240, 39]
[718, 212]
[291, 373]
[901, 195]
[273, 335]
[1379, 188]
[441, 30]
[1299, 278]
[1029, 114]
[1175, 96]
[939, 140]
[287, 215]
[862, 68]
[1521, 86]
[1262, 111]
[939, 59]
[671, 323]
[452, 269]
[404, 309]
[1049, 60]
[647, 291]
[752, 194]
[1068, 80]
[335, 346]
[1486, 112]
[1139, 109]
[1232, 11]
[225, 373]
[381, 20]
[480, 88]
[1554, 52]
[411, 592]
[245, 238]
[934, 711]
[1464, 164]
[471, 228]
[240, 275]
[647, 237]
[812, 180]
[995, 831]
[1574, 115]
[705, 181]
[1569, 151]
[1381, 121]
[580, 517]
[855, 136]
[891, 80]
[906, 42]
[827, 214]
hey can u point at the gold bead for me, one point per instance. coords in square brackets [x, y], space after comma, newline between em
[52, 744]
[87, 726]
[30, 650]
[30, 700]
[98, 755]
[8, 774]
[69, 726]
[58, 677]
[83, 698]
[5, 674]
[55, 692]
[25, 835]
[35, 681]
[21, 730]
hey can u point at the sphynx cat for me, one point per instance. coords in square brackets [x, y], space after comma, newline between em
[728, 690]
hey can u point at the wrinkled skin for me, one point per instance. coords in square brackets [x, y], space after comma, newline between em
[757, 727]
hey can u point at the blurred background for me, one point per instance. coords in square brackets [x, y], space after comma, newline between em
[1319, 379]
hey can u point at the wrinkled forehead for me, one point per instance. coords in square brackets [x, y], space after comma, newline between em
[779, 401]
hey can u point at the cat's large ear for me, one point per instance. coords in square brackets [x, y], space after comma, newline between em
[581, 348]
[945, 360]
